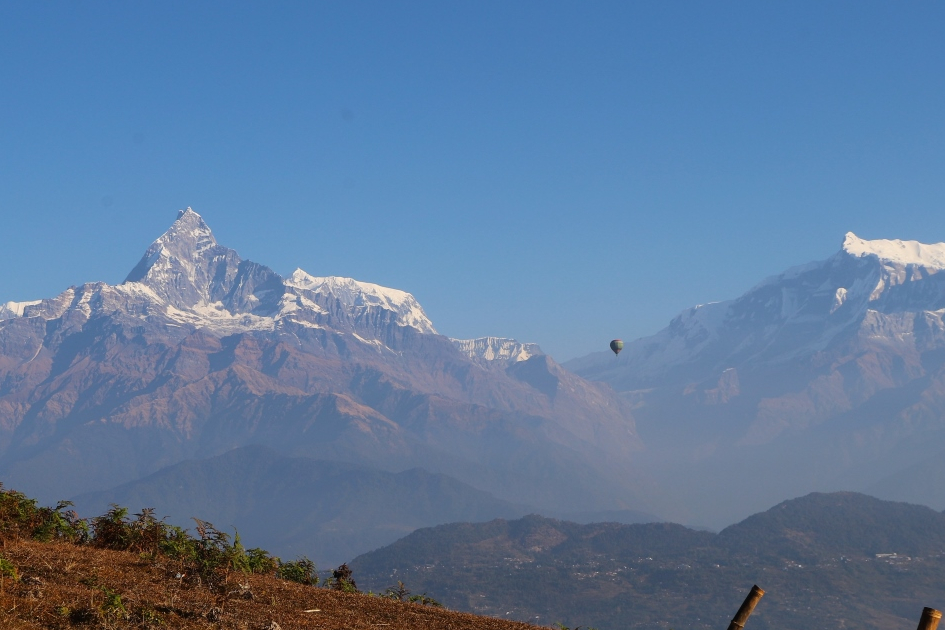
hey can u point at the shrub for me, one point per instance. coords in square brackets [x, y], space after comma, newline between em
[400, 592]
[212, 553]
[254, 560]
[112, 530]
[260, 561]
[302, 571]
[148, 532]
[8, 570]
[22, 517]
[209, 556]
[341, 580]
[177, 544]
[18, 513]
[112, 606]
[423, 600]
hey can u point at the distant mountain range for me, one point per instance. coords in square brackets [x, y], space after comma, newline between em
[199, 352]
[830, 375]
[827, 561]
[330, 511]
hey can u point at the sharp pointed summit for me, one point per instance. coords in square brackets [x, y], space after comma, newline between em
[188, 238]
[175, 265]
[187, 268]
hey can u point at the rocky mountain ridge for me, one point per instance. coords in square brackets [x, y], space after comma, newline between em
[872, 285]
[200, 351]
[185, 278]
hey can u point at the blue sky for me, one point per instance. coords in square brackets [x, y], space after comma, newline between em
[562, 173]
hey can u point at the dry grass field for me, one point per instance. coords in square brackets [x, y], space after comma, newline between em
[63, 585]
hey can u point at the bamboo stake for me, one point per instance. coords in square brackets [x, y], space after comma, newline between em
[738, 621]
[930, 619]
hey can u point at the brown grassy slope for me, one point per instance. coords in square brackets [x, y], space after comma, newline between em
[62, 585]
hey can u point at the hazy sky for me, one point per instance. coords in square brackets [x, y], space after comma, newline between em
[562, 173]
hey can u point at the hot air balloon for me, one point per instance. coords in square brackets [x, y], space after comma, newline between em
[616, 345]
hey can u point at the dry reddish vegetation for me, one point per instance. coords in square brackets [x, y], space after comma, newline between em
[62, 585]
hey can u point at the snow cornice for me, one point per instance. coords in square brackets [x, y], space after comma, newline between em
[896, 251]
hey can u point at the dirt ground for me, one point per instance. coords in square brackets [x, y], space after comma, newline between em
[62, 585]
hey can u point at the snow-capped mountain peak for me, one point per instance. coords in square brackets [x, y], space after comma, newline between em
[497, 349]
[896, 251]
[187, 280]
[16, 309]
[354, 294]
[874, 289]
[188, 238]
[183, 263]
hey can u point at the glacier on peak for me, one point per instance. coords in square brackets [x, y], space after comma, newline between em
[16, 309]
[890, 253]
[896, 251]
[497, 349]
[356, 294]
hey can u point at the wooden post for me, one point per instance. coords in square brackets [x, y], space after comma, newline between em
[738, 621]
[930, 619]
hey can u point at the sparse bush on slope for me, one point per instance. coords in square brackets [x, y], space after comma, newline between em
[134, 571]
[207, 559]
[302, 571]
[21, 516]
